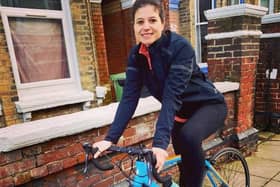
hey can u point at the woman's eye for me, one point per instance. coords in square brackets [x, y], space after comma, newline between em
[140, 22]
[153, 20]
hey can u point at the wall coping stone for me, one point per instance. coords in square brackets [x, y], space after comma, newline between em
[235, 10]
[271, 35]
[39, 131]
[233, 34]
[271, 18]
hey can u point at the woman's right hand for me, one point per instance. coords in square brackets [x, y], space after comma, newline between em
[102, 146]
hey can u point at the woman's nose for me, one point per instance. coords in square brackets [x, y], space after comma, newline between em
[146, 25]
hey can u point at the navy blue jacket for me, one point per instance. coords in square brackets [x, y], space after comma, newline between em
[175, 80]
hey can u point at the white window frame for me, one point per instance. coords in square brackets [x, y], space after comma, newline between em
[270, 6]
[44, 93]
[198, 24]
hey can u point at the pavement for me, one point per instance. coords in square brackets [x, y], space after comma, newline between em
[264, 164]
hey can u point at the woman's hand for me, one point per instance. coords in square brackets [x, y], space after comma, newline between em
[102, 146]
[161, 156]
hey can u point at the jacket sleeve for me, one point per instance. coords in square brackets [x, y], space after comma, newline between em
[179, 75]
[129, 101]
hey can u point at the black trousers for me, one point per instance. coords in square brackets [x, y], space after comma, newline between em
[187, 141]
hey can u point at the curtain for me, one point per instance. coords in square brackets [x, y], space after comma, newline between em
[39, 49]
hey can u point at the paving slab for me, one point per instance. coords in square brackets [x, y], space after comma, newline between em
[262, 167]
[272, 184]
[269, 150]
[276, 137]
[277, 178]
[257, 181]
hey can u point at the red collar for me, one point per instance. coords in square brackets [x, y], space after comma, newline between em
[144, 51]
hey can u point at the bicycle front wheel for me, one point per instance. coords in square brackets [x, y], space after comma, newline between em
[232, 167]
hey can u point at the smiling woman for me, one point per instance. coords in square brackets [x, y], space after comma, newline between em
[148, 25]
[192, 108]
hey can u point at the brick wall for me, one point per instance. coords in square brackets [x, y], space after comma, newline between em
[174, 20]
[268, 90]
[59, 162]
[226, 55]
[114, 35]
[99, 42]
[83, 35]
[8, 91]
[187, 21]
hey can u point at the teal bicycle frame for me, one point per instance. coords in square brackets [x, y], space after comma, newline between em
[143, 176]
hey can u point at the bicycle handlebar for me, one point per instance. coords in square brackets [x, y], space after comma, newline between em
[138, 151]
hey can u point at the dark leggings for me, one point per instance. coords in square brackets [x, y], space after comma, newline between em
[187, 141]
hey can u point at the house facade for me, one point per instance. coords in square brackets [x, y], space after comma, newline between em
[55, 55]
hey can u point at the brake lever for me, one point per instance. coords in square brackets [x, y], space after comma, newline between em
[86, 164]
[87, 149]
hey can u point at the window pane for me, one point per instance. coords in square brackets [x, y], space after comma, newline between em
[39, 49]
[232, 2]
[203, 5]
[265, 3]
[37, 4]
[203, 32]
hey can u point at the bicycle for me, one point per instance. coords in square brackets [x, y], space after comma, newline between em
[226, 168]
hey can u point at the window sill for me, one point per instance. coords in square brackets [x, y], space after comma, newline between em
[35, 132]
[53, 100]
[271, 18]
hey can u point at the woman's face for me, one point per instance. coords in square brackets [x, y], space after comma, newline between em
[148, 26]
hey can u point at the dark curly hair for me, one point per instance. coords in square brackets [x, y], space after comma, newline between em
[141, 3]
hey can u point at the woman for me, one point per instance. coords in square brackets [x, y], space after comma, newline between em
[192, 108]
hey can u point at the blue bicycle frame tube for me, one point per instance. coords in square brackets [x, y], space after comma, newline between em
[142, 175]
[212, 170]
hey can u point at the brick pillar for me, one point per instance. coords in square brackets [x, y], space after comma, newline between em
[233, 52]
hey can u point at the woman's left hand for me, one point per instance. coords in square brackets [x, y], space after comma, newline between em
[161, 156]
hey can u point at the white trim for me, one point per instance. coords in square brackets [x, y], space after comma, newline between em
[127, 4]
[271, 6]
[96, 1]
[232, 34]
[44, 101]
[226, 86]
[271, 35]
[235, 10]
[271, 18]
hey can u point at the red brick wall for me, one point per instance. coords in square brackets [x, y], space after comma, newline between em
[100, 45]
[115, 36]
[59, 162]
[268, 90]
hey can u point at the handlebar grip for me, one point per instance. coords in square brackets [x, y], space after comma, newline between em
[166, 180]
[89, 149]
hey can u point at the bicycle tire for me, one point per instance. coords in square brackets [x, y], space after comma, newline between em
[232, 167]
